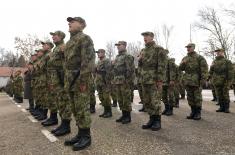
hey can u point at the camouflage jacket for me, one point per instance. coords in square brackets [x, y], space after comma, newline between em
[171, 72]
[18, 84]
[55, 65]
[103, 72]
[221, 71]
[153, 61]
[196, 69]
[42, 69]
[124, 68]
[79, 57]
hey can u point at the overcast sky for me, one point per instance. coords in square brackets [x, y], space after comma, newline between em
[106, 19]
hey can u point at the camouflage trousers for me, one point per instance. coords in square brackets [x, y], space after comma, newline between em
[92, 96]
[51, 101]
[176, 92]
[63, 105]
[152, 99]
[42, 95]
[80, 103]
[124, 97]
[104, 95]
[181, 89]
[213, 92]
[113, 92]
[168, 95]
[194, 96]
[222, 93]
[140, 90]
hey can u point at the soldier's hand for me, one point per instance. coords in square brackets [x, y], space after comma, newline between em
[83, 87]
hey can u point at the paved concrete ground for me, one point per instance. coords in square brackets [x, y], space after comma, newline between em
[214, 134]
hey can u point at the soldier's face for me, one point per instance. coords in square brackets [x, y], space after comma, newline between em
[121, 47]
[190, 49]
[101, 55]
[33, 58]
[40, 53]
[75, 26]
[220, 53]
[46, 47]
[148, 39]
[56, 38]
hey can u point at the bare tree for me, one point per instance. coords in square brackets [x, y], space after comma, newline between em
[25, 46]
[7, 58]
[110, 50]
[162, 35]
[220, 36]
[134, 49]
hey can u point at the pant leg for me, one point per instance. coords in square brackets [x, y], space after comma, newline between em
[126, 93]
[152, 99]
[63, 105]
[165, 94]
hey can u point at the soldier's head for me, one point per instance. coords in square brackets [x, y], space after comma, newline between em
[33, 57]
[148, 37]
[101, 53]
[47, 45]
[39, 52]
[57, 36]
[219, 52]
[121, 46]
[18, 72]
[76, 24]
[190, 47]
[30, 66]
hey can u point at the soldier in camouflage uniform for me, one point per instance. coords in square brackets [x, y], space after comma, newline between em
[139, 85]
[42, 71]
[176, 86]
[59, 98]
[18, 87]
[79, 66]
[153, 59]
[221, 72]
[92, 95]
[103, 82]
[113, 88]
[196, 71]
[181, 85]
[168, 91]
[233, 78]
[124, 70]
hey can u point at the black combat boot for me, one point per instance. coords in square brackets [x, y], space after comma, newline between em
[221, 108]
[149, 123]
[169, 111]
[84, 139]
[53, 120]
[142, 109]
[114, 103]
[105, 110]
[226, 107]
[127, 117]
[73, 140]
[92, 109]
[120, 118]
[214, 99]
[182, 96]
[38, 112]
[192, 113]
[156, 125]
[108, 112]
[64, 129]
[57, 128]
[19, 100]
[166, 109]
[197, 115]
[43, 116]
[177, 103]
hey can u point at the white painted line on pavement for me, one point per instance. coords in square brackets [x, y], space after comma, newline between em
[15, 103]
[49, 136]
[23, 110]
[32, 119]
[19, 106]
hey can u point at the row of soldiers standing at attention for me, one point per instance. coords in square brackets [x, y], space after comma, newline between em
[63, 80]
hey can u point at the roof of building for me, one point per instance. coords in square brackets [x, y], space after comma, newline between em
[7, 71]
